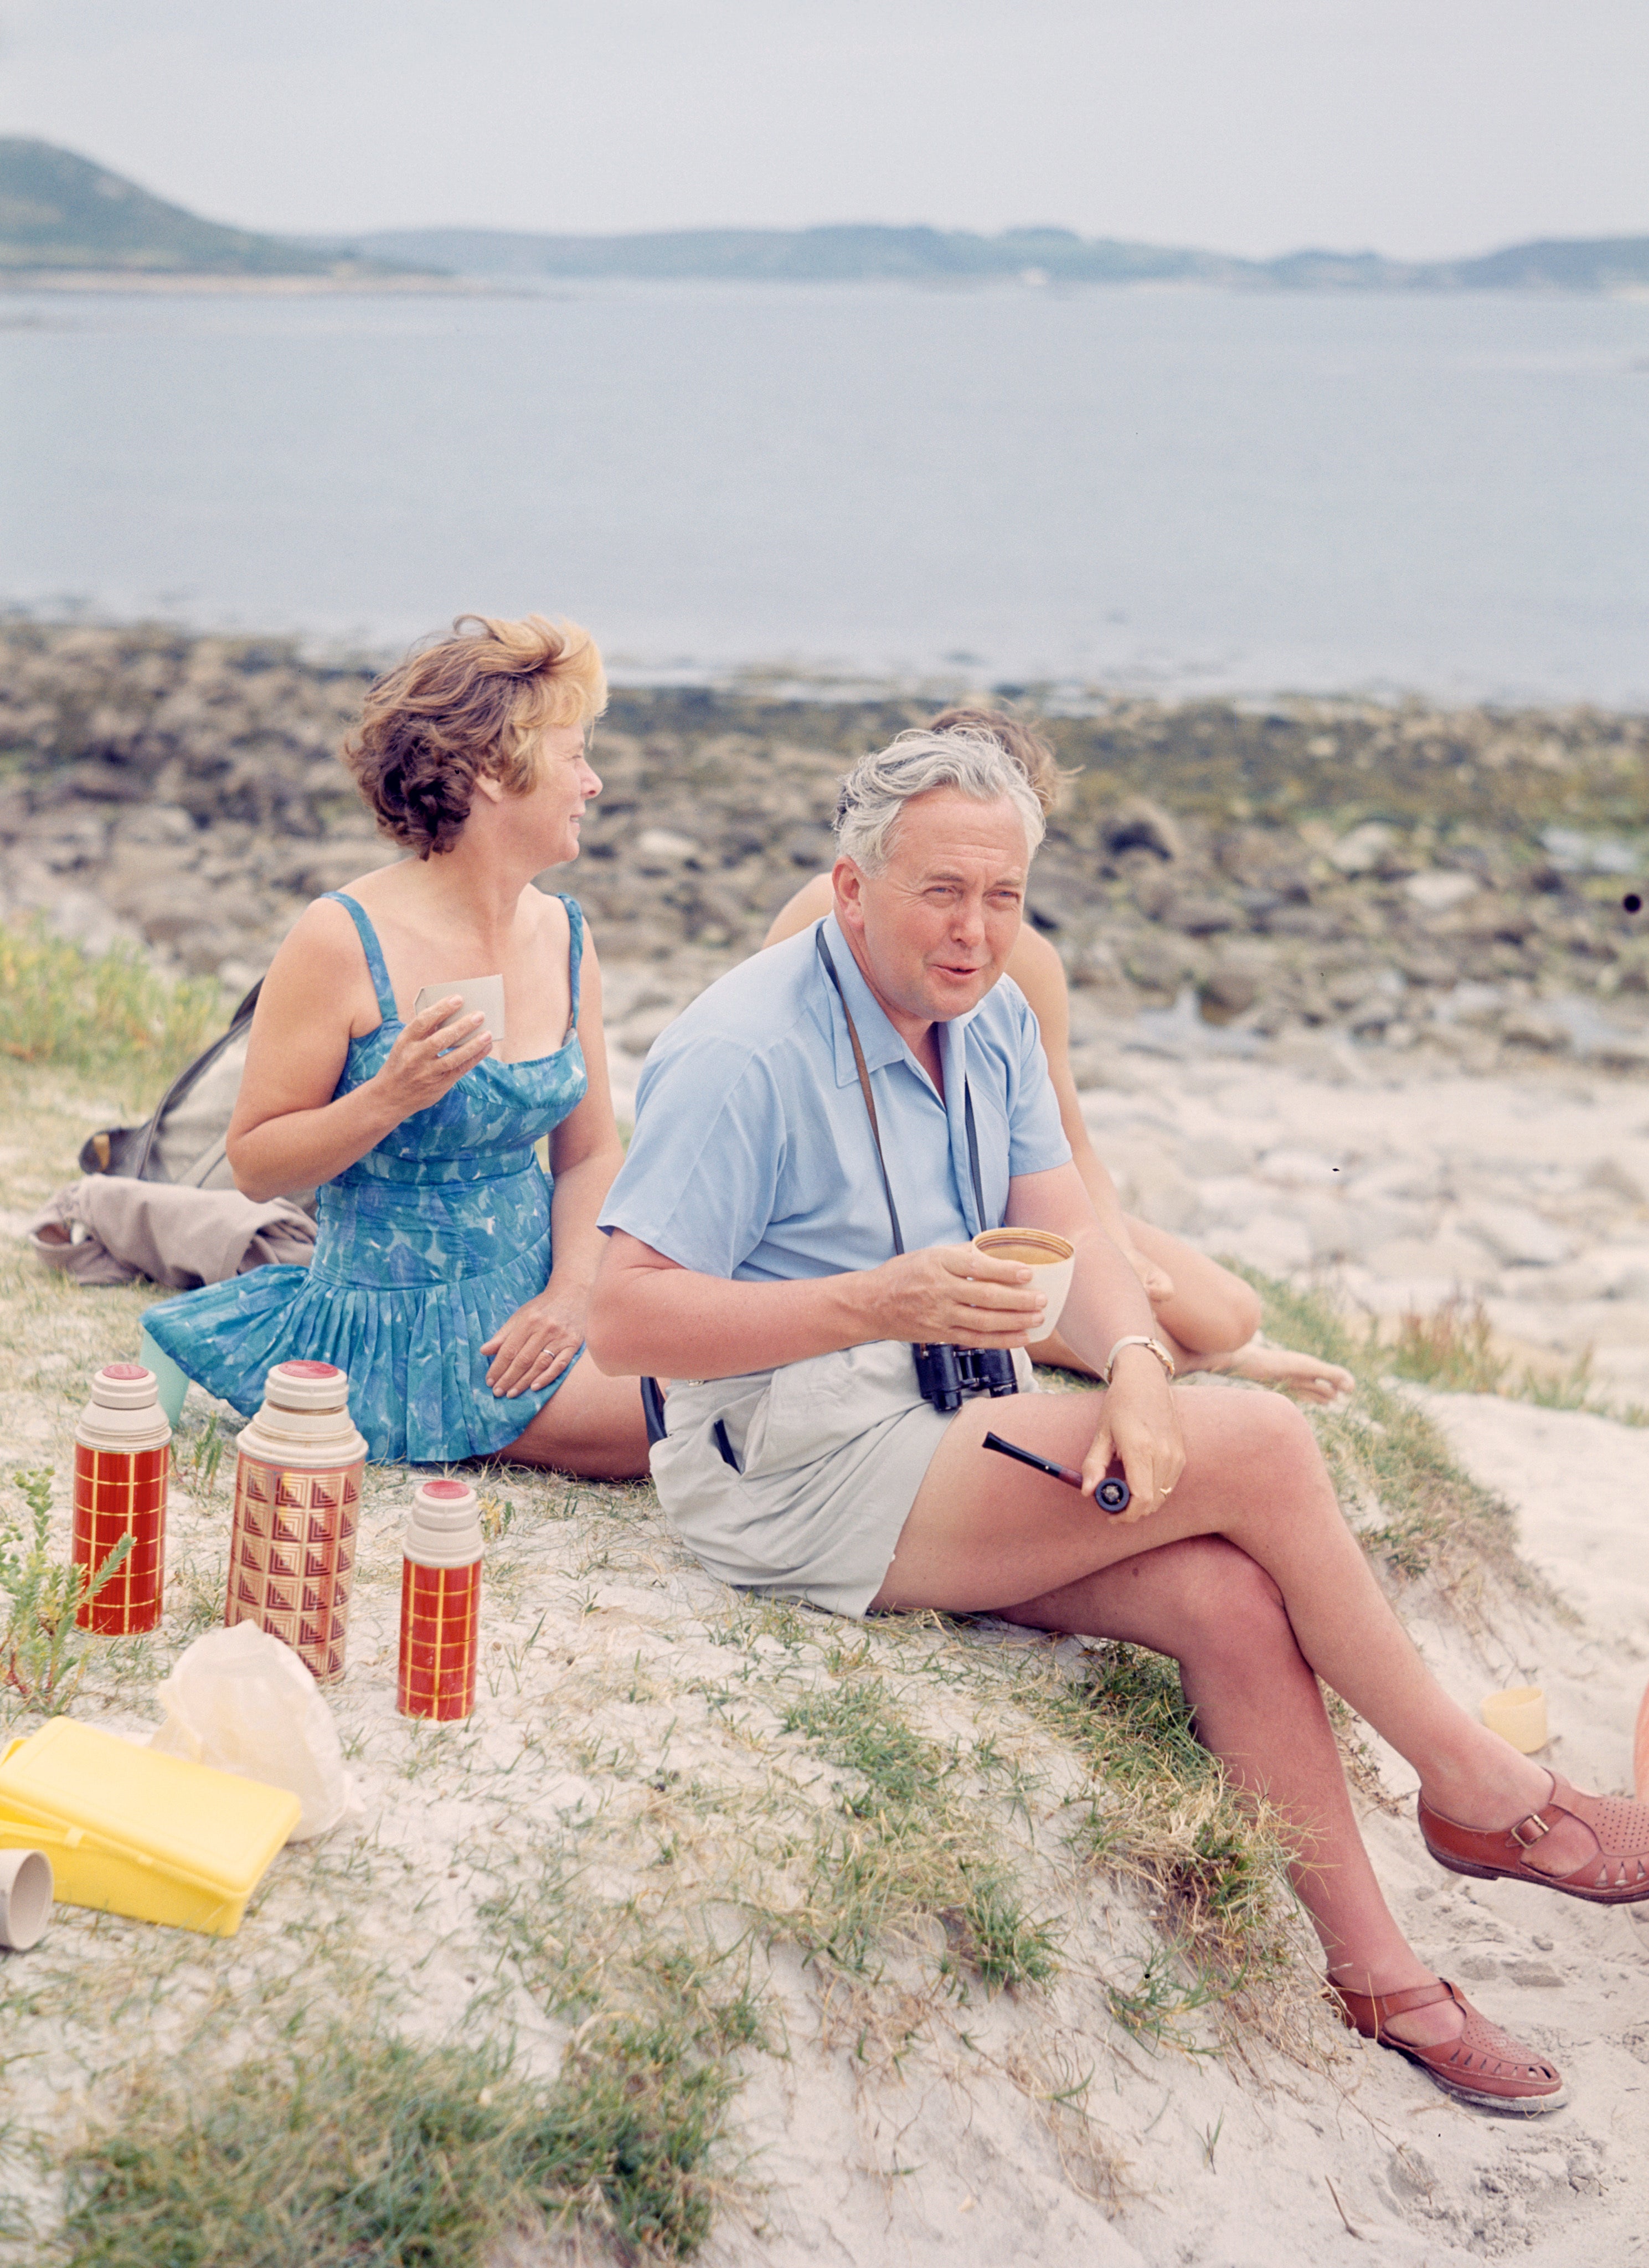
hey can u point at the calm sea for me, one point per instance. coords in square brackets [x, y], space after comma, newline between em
[1168, 489]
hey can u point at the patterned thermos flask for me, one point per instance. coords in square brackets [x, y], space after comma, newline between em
[122, 1449]
[440, 1603]
[298, 1504]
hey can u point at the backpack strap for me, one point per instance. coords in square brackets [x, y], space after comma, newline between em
[375, 952]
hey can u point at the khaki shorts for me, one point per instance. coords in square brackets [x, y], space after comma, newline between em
[830, 1454]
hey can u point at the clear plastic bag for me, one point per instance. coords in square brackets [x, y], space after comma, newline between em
[239, 1700]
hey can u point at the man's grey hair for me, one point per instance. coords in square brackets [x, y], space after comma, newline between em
[876, 790]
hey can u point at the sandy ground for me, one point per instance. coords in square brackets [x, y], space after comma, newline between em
[636, 1741]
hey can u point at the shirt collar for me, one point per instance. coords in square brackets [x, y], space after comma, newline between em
[882, 1045]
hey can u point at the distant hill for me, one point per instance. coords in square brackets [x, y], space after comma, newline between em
[865, 252]
[60, 211]
[844, 252]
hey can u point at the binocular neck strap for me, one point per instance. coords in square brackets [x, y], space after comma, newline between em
[869, 1104]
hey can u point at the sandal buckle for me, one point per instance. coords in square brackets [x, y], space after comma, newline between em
[1535, 1823]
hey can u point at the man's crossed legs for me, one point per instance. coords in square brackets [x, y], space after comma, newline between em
[1249, 1577]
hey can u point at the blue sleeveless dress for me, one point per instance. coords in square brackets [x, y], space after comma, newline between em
[425, 1246]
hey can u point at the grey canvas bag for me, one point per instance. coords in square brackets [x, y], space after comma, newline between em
[184, 1139]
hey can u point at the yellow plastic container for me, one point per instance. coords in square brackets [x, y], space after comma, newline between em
[129, 1831]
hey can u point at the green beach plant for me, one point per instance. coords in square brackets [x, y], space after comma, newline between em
[1452, 1349]
[42, 1655]
[107, 1013]
[1159, 1812]
[345, 2152]
[197, 1455]
[1414, 1508]
[903, 1851]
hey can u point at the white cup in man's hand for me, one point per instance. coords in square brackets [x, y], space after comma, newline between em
[1051, 1259]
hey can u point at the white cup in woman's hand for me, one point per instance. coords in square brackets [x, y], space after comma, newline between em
[485, 993]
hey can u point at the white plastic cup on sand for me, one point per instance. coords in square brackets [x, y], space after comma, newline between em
[1519, 1715]
[25, 1898]
[173, 1383]
[1052, 1258]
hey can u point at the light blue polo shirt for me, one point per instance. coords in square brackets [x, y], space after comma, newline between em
[753, 1157]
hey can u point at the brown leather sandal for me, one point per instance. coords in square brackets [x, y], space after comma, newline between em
[1616, 1874]
[1484, 2067]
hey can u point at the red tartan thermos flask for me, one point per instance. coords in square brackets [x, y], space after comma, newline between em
[440, 1603]
[122, 1449]
[298, 1504]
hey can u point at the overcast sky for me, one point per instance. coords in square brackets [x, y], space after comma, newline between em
[1414, 126]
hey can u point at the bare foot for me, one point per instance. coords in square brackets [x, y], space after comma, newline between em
[1307, 1375]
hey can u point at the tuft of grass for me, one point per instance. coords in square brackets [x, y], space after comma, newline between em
[1153, 2007]
[196, 1456]
[1001, 1943]
[105, 1012]
[1162, 1813]
[1414, 1508]
[902, 1852]
[382, 2152]
[1423, 1513]
[652, 2070]
[1452, 1350]
[637, 2118]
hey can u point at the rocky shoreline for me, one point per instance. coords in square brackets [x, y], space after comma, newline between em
[1459, 887]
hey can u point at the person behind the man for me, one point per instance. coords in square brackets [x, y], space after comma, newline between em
[752, 1260]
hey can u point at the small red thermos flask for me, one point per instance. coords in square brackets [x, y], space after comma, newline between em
[123, 1450]
[440, 1603]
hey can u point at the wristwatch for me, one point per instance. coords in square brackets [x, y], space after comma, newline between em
[1137, 1338]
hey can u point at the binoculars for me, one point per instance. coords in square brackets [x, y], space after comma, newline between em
[946, 1373]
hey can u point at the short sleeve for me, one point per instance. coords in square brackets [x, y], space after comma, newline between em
[703, 1170]
[1036, 1139]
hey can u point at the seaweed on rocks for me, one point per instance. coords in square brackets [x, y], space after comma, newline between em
[1397, 875]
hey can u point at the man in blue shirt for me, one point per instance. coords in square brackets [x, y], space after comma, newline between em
[782, 1122]
[756, 1174]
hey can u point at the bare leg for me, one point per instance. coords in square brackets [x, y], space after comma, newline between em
[1211, 1323]
[1212, 1311]
[1259, 1708]
[591, 1426]
[983, 1534]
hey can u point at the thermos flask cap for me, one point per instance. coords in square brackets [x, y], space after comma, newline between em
[306, 1386]
[444, 1525]
[124, 1385]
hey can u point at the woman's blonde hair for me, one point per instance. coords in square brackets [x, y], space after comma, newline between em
[1027, 746]
[475, 703]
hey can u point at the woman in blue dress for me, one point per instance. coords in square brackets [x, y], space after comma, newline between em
[451, 1275]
